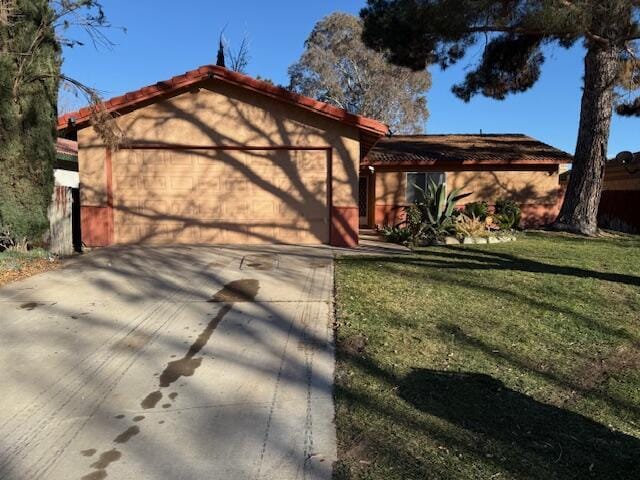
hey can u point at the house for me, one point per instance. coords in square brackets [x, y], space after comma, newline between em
[620, 195]
[490, 167]
[65, 168]
[214, 156]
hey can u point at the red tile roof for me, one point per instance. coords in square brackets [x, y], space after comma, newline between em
[66, 147]
[176, 85]
[463, 149]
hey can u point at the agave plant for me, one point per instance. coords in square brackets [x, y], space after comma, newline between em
[438, 209]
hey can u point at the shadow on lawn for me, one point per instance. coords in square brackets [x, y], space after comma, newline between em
[481, 259]
[555, 442]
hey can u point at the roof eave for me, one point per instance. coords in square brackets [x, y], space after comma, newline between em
[177, 85]
[428, 163]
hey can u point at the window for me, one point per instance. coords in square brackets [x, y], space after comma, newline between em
[421, 179]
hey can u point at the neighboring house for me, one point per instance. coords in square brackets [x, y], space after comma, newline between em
[490, 167]
[65, 169]
[618, 208]
[214, 156]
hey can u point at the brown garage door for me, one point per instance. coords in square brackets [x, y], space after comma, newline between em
[220, 196]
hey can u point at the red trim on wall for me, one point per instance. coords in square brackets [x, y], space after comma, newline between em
[538, 215]
[534, 215]
[344, 226]
[465, 166]
[108, 167]
[330, 192]
[388, 215]
[95, 226]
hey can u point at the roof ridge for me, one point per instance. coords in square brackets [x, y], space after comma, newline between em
[174, 85]
[460, 135]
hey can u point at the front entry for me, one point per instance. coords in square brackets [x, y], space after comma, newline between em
[363, 199]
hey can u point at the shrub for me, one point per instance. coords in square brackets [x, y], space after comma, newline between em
[396, 234]
[413, 220]
[9, 241]
[470, 226]
[479, 210]
[28, 97]
[507, 214]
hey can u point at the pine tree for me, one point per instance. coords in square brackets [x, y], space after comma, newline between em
[416, 33]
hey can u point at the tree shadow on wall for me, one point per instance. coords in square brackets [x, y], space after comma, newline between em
[304, 208]
[530, 438]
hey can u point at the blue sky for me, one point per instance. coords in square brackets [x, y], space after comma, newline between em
[165, 38]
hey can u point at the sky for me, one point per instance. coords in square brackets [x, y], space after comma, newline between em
[164, 38]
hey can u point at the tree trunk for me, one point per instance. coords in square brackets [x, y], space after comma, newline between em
[580, 207]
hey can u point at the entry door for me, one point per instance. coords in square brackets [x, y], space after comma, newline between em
[363, 200]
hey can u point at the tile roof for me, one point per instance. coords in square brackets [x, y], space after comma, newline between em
[410, 150]
[176, 85]
[66, 147]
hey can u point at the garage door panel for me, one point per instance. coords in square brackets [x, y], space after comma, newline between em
[153, 157]
[235, 186]
[154, 182]
[184, 208]
[126, 182]
[181, 183]
[264, 210]
[181, 197]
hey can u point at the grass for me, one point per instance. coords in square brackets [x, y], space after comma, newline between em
[17, 264]
[510, 361]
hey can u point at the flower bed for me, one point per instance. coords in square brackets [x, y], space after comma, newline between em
[435, 219]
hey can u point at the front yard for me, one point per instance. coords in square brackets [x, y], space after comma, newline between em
[517, 360]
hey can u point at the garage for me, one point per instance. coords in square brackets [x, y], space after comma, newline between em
[216, 157]
[218, 196]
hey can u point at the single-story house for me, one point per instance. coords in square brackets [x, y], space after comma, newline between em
[490, 167]
[214, 156]
[618, 209]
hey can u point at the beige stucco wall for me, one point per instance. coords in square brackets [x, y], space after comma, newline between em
[225, 115]
[535, 187]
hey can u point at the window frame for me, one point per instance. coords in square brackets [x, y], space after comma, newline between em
[426, 175]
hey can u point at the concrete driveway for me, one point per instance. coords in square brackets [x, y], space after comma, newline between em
[170, 363]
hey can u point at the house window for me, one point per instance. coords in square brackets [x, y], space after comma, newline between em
[422, 180]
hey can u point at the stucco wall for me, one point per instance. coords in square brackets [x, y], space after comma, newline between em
[536, 191]
[229, 116]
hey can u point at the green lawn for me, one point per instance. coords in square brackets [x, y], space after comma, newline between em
[518, 360]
